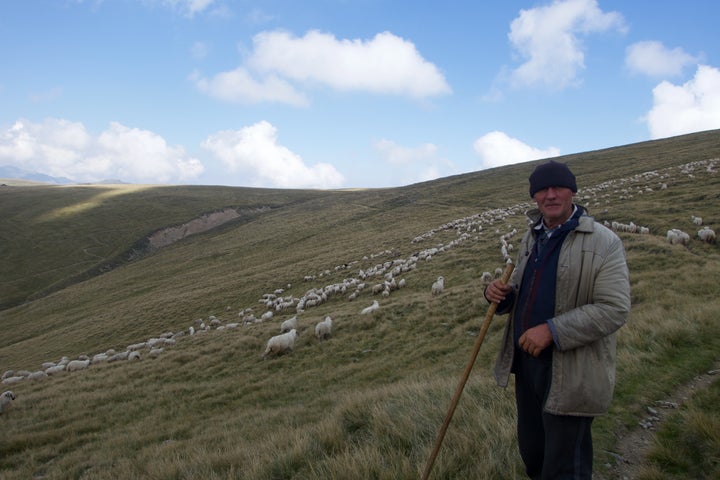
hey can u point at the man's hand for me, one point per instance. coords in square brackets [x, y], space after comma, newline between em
[496, 291]
[536, 339]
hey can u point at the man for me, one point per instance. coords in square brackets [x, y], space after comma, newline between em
[568, 295]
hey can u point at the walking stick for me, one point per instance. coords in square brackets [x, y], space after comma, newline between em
[481, 336]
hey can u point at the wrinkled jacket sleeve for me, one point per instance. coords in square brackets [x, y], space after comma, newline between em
[603, 298]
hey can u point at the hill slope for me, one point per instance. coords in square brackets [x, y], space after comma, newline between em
[371, 398]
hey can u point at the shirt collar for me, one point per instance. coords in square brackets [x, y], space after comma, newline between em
[540, 227]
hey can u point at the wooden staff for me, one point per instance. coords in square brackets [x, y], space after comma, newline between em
[481, 336]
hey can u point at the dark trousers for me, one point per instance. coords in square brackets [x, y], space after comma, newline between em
[553, 447]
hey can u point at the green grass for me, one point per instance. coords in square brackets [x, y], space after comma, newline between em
[367, 403]
[688, 445]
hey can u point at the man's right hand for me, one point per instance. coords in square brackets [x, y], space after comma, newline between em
[496, 291]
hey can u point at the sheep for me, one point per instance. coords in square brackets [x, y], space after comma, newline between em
[323, 329]
[375, 305]
[438, 286]
[12, 380]
[119, 356]
[74, 365]
[696, 220]
[135, 355]
[281, 344]
[675, 237]
[707, 234]
[37, 375]
[6, 400]
[55, 369]
[289, 324]
[155, 352]
[100, 357]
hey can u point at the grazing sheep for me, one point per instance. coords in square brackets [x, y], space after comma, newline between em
[323, 329]
[707, 234]
[696, 220]
[119, 356]
[12, 380]
[37, 375]
[289, 324]
[438, 286]
[155, 352]
[55, 369]
[135, 355]
[281, 344]
[375, 305]
[677, 237]
[74, 365]
[100, 357]
[6, 400]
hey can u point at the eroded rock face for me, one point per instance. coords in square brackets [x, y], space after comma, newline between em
[203, 223]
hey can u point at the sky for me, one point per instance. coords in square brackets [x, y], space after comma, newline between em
[334, 94]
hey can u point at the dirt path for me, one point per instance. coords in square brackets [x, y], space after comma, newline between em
[633, 447]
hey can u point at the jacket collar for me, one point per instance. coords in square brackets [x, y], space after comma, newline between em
[586, 223]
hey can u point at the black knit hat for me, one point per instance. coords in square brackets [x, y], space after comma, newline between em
[551, 174]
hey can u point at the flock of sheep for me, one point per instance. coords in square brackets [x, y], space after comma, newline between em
[385, 277]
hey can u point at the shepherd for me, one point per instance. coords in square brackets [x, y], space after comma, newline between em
[566, 299]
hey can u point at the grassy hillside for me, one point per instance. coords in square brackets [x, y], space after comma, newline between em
[368, 402]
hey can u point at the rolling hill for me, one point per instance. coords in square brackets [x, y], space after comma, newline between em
[82, 275]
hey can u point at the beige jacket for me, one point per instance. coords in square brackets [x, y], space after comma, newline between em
[592, 302]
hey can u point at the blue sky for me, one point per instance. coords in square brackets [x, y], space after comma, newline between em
[343, 93]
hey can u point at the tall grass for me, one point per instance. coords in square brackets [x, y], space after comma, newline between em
[367, 403]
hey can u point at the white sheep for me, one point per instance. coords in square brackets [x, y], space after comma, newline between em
[696, 220]
[677, 237]
[707, 234]
[37, 375]
[281, 344]
[438, 286]
[74, 365]
[323, 330]
[289, 324]
[12, 380]
[6, 400]
[375, 305]
[55, 369]
[134, 355]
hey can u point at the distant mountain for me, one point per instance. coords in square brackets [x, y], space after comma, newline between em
[9, 171]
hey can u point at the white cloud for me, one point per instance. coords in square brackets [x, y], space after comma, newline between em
[548, 38]
[199, 50]
[691, 107]
[399, 155]
[496, 149]
[254, 151]
[386, 64]
[239, 86]
[412, 164]
[62, 148]
[188, 7]
[652, 58]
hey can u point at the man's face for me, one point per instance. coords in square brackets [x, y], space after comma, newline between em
[555, 203]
